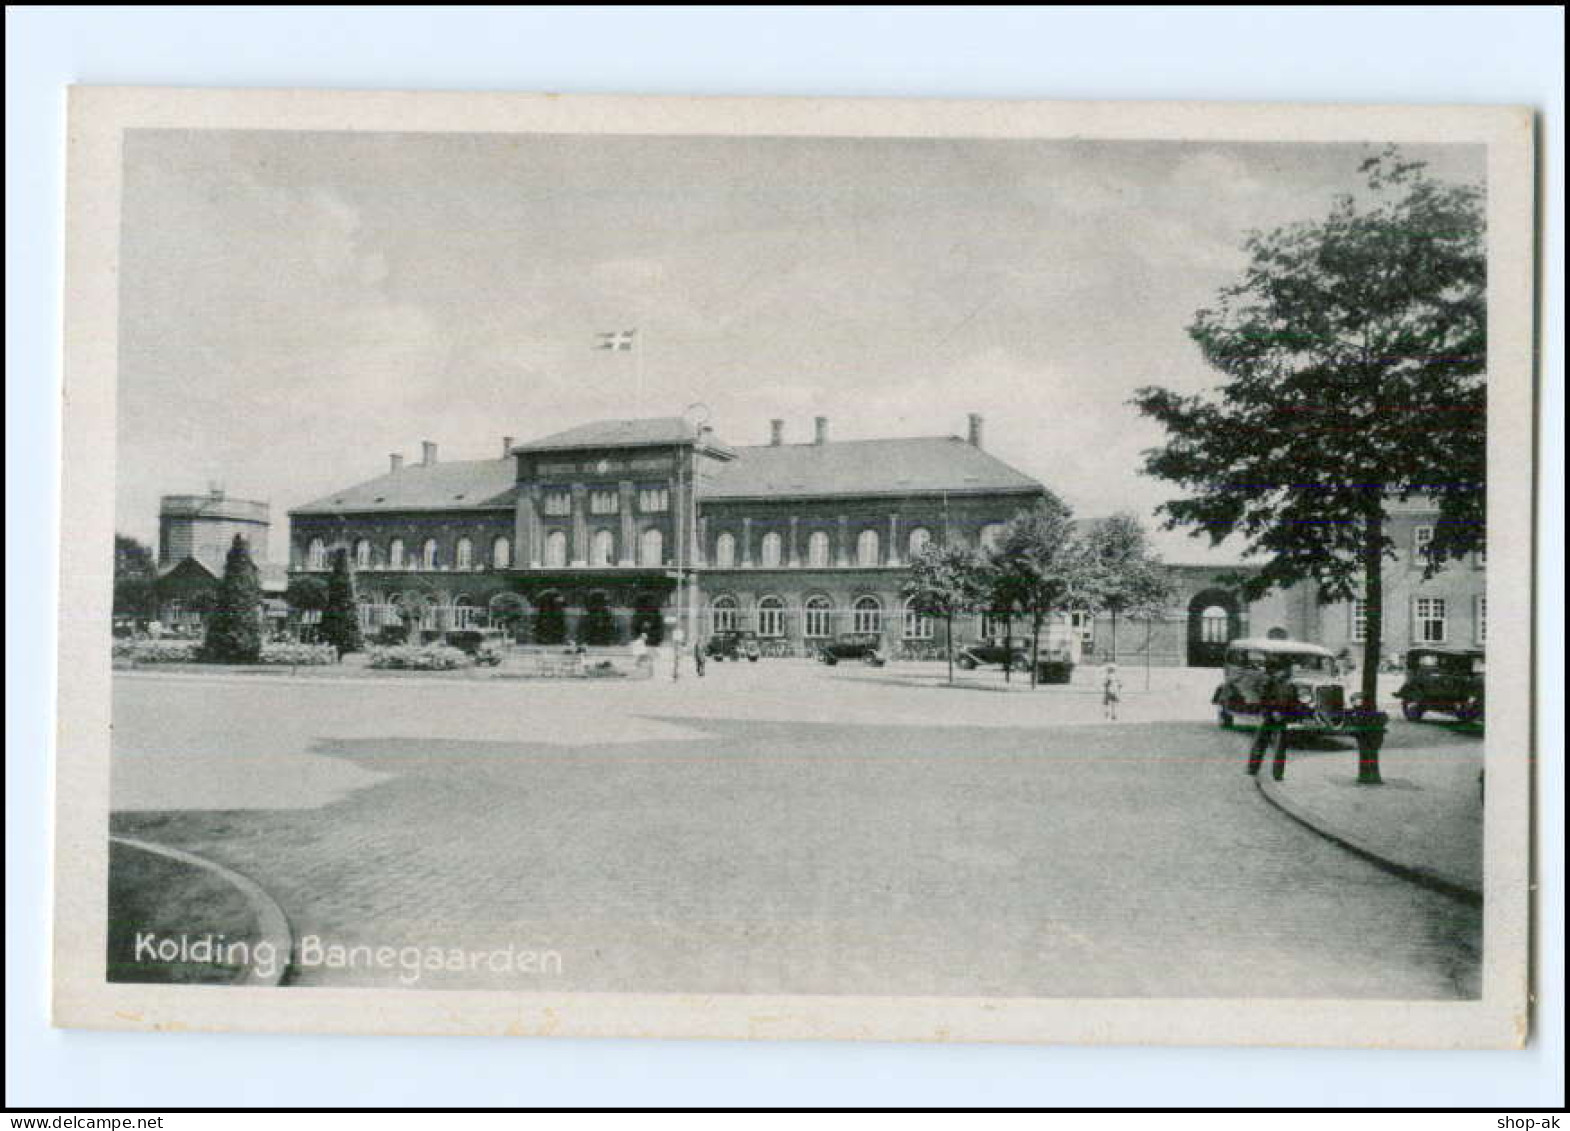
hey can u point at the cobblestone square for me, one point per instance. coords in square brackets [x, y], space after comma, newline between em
[779, 827]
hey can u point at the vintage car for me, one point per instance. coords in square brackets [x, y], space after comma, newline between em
[1003, 651]
[1447, 680]
[1317, 700]
[733, 646]
[864, 646]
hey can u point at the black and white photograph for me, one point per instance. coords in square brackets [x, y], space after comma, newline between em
[706, 568]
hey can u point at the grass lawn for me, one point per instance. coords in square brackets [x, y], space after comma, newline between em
[154, 896]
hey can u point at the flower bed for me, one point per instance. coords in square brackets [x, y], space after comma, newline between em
[291, 654]
[417, 658]
[157, 651]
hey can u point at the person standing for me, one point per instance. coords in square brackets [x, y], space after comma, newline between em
[1111, 691]
[1275, 702]
[698, 658]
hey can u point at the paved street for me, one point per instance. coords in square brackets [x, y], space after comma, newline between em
[779, 827]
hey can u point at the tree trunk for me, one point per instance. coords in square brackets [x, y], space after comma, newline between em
[1035, 647]
[1008, 649]
[1114, 636]
[1373, 633]
[949, 618]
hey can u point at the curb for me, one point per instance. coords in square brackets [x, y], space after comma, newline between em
[1420, 876]
[270, 921]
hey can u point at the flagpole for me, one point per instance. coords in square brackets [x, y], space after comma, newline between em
[638, 346]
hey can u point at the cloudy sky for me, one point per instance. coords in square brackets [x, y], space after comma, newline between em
[296, 306]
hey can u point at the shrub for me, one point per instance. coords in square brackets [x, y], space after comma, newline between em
[157, 651]
[291, 653]
[234, 630]
[421, 658]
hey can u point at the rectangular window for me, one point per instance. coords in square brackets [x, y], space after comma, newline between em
[654, 500]
[604, 502]
[1084, 626]
[557, 504]
[1430, 616]
[1481, 618]
[1359, 628]
[1421, 537]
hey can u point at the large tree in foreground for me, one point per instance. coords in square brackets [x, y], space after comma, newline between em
[135, 580]
[944, 581]
[234, 630]
[1352, 351]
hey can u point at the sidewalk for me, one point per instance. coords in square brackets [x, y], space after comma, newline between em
[1425, 822]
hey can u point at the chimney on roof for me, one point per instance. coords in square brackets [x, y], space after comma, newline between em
[427, 453]
[776, 433]
[395, 461]
[506, 446]
[975, 429]
[820, 430]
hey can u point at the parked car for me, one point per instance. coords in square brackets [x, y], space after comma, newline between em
[733, 646]
[999, 650]
[864, 646]
[1447, 680]
[471, 640]
[1318, 697]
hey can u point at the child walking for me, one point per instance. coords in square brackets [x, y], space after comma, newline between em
[1111, 690]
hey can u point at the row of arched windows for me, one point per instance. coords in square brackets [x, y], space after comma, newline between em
[428, 555]
[817, 616]
[602, 550]
[868, 546]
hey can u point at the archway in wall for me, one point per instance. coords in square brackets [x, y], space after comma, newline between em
[599, 625]
[1213, 620]
[550, 619]
[648, 618]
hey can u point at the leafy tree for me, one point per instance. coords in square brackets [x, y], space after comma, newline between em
[1040, 568]
[234, 630]
[945, 581]
[1131, 580]
[341, 612]
[306, 594]
[1353, 351]
[135, 580]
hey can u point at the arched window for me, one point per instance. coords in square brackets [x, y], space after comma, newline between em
[770, 550]
[501, 553]
[725, 550]
[867, 615]
[316, 554]
[465, 554]
[430, 557]
[1213, 625]
[867, 548]
[651, 550]
[722, 616]
[362, 554]
[990, 535]
[771, 617]
[918, 625]
[920, 539]
[395, 554]
[466, 612]
[818, 548]
[603, 552]
[556, 549]
[817, 617]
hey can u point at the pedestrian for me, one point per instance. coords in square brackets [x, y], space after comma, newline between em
[1111, 691]
[1275, 703]
[698, 658]
[639, 648]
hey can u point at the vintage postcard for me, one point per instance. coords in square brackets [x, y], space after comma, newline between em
[788, 568]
